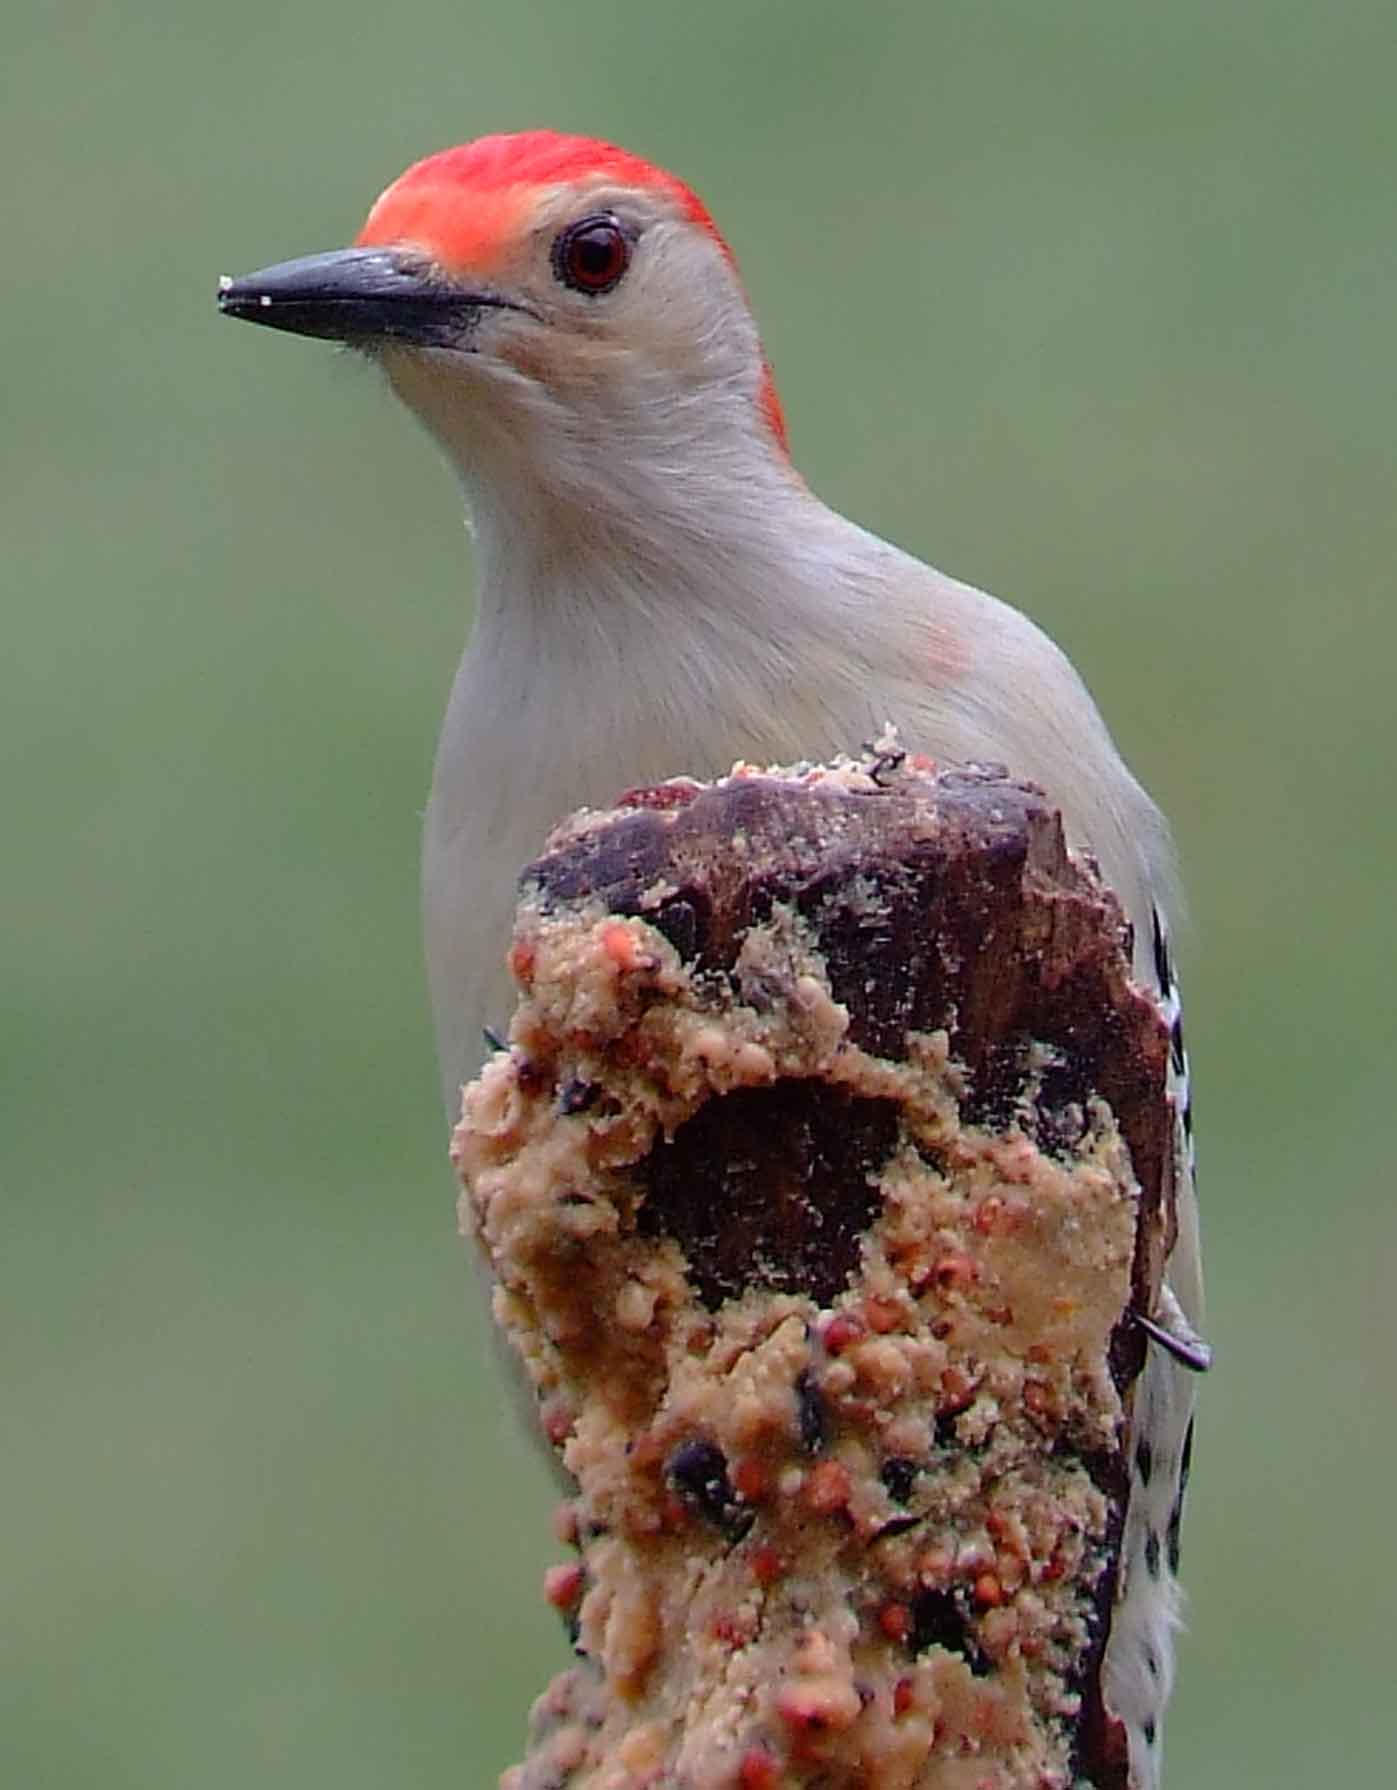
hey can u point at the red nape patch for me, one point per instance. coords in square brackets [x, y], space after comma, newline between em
[769, 402]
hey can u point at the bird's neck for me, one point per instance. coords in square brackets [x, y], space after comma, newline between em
[674, 623]
[647, 546]
[653, 505]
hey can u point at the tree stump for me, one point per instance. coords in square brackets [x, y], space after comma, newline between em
[828, 1158]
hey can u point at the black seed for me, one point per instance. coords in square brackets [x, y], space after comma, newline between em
[813, 1417]
[492, 1038]
[1188, 1120]
[1151, 1662]
[1176, 1045]
[1144, 1461]
[578, 1095]
[698, 1471]
[897, 1526]
[1150, 1730]
[946, 1435]
[1152, 1553]
[939, 1621]
[934, 1157]
[678, 921]
[1186, 1460]
[531, 1078]
[739, 1523]
[899, 1474]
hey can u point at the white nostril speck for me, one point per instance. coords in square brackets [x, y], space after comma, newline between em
[225, 280]
[264, 300]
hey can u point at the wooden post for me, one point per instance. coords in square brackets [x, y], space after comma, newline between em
[829, 1157]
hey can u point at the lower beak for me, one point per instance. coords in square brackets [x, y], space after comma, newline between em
[357, 295]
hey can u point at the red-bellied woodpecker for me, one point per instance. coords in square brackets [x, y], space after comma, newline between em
[660, 593]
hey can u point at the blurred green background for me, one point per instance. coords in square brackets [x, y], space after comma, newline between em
[1092, 304]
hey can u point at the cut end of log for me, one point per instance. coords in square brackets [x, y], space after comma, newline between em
[828, 1156]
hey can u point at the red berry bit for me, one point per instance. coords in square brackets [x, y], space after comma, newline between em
[1038, 1399]
[557, 1418]
[840, 1331]
[954, 1273]
[827, 1488]
[767, 1565]
[562, 1585]
[750, 1479]
[882, 1314]
[759, 1770]
[814, 1707]
[733, 1629]
[678, 793]
[623, 948]
[957, 1390]
[895, 1620]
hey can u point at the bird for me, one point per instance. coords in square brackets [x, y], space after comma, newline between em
[661, 593]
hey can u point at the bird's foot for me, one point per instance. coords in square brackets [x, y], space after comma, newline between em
[1175, 1335]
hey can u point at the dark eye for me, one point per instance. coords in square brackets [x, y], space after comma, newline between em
[592, 256]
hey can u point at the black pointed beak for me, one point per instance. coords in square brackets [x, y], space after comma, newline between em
[358, 295]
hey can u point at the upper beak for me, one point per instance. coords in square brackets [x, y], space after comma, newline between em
[357, 295]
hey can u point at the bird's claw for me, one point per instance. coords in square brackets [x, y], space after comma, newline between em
[1175, 1335]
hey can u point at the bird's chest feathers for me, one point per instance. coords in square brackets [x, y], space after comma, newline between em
[541, 724]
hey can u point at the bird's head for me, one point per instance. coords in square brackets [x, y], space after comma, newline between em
[543, 302]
